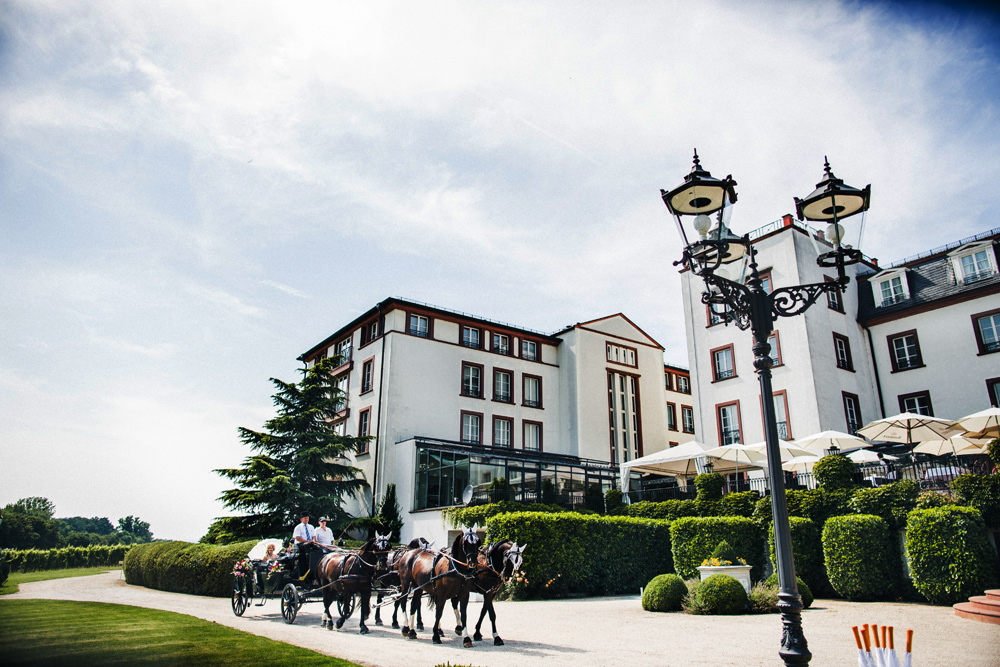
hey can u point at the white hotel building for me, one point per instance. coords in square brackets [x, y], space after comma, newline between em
[922, 335]
[454, 400]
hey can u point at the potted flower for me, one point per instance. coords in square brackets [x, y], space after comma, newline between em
[243, 568]
[725, 560]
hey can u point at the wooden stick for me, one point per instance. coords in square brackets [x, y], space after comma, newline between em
[909, 641]
[857, 637]
[864, 635]
[875, 635]
[892, 643]
[884, 645]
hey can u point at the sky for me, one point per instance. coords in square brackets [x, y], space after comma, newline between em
[193, 193]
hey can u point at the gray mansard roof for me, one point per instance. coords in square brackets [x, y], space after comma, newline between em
[931, 282]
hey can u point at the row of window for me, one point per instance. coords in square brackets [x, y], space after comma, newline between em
[969, 265]
[498, 343]
[503, 385]
[676, 382]
[503, 431]
[724, 361]
[687, 415]
[730, 421]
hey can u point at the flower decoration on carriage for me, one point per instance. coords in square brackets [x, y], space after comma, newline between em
[274, 566]
[243, 568]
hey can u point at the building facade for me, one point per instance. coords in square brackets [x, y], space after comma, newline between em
[453, 400]
[680, 409]
[857, 356]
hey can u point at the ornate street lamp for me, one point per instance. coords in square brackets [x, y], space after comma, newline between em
[750, 306]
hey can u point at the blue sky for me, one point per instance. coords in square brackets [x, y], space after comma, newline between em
[194, 193]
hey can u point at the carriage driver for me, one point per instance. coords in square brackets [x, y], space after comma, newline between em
[304, 536]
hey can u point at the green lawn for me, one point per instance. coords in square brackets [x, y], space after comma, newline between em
[52, 632]
[27, 577]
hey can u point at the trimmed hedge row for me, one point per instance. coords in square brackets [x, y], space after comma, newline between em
[34, 560]
[859, 556]
[731, 504]
[949, 554]
[574, 554]
[183, 567]
[981, 492]
[694, 539]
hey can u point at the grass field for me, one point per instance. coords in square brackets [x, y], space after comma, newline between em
[27, 577]
[51, 632]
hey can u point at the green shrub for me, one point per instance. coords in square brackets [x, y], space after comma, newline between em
[709, 485]
[724, 552]
[892, 501]
[613, 504]
[981, 492]
[949, 554]
[993, 451]
[815, 504]
[930, 499]
[834, 472]
[807, 550]
[721, 594]
[575, 554]
[855, 551]
[182, 567]
[763, 599]
[664, 592]
[694, 538]
[96, 555]
[805, 592]
[741, 503]
[477, 515]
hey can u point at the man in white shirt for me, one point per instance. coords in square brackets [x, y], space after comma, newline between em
[304, 536]
[323, 534]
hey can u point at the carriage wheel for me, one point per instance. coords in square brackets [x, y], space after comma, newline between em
[345, 605]
[290, 603]
[240, 599]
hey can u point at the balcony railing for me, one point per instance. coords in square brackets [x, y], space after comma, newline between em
[783, 430]
[895, 298]
[724, 373]
[532, 403]
[976, 277]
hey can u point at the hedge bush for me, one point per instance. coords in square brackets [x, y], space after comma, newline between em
[183, 567]
[613, 503]
[694, 539]
[981, 492]
[805, 592]
[740, 503]
[815, 504]
[834, 472]
[720, 594]
[949, 554]
[665, 592]
[807, 549]
[709, 485]
[891, 501]
[859, 557]
[477, 515]
[671, 509]
[34, 560]
[578, 554]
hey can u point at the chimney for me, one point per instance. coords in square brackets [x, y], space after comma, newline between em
[786, 220]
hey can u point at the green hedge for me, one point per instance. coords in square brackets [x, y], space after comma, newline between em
[981, 492]
[183, 567]
[815, 504]
[694, 539]
[949, 554]
[34, 560]
[731, 504]
[807, 548]
[892, 501]
[478, 515]
[859, 557]
[574, 554]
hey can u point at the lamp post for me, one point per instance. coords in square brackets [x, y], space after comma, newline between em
[749, 306]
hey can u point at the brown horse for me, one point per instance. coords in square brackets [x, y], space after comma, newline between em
[390, 577]
[344, 574]
[497, 564]
[443, 576]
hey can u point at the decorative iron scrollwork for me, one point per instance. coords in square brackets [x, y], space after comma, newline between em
[791, 301]
[734, 296]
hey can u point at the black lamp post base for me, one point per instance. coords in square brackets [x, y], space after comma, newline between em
[794, 649]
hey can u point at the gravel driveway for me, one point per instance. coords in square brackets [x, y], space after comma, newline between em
[612, 631]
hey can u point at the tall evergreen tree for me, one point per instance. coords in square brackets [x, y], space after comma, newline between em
[297, 462]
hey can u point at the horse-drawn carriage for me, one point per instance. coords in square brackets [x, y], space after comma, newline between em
[401, 574]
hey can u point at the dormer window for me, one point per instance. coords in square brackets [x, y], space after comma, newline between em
[890, 287]
[973, 263]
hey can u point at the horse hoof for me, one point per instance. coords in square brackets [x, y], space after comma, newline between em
[497, 641]
[478, 636]
[420, 626]
[412, 635]
[365, 630]
[340, 624]
[467, 643]
[458, 630]
[378, 621]
[437, 639]
[395, 625]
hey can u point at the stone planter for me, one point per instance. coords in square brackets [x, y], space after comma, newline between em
[740, 573]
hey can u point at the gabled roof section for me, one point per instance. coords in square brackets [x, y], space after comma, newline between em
[616, 325]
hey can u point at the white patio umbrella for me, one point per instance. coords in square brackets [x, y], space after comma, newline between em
[786, 449]
[800, 463]
[909, 428]
[868, 456]
[956, 444]
[675, 461]
[738, 454]
[824, 440]
[986, 423]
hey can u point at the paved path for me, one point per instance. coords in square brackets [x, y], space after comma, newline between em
[612, 631]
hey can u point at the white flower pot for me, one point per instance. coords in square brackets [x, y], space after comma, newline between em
[740, 573]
